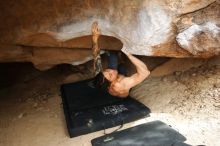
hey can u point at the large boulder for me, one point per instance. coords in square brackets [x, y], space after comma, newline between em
[50, 32]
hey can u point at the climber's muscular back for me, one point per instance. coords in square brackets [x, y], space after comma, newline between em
[121, 86]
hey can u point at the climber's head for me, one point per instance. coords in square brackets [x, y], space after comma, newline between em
[110, 74]
[103, 80]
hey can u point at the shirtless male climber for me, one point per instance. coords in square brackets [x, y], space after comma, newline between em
[114, 79]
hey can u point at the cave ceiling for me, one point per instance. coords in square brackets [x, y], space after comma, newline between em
[51, 32]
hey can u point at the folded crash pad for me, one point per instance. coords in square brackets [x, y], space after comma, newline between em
[154, 133]
[88, 110]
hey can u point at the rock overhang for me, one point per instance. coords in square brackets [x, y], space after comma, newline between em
[149, 27]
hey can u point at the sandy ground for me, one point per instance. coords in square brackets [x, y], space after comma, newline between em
[31, 112]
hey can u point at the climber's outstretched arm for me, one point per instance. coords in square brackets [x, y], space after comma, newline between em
[141, 74]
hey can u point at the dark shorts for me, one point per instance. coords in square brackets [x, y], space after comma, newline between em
[113, 64]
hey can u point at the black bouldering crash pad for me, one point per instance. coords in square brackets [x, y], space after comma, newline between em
[88, 110]
[154, 133]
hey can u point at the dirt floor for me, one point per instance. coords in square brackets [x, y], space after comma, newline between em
[31, 111]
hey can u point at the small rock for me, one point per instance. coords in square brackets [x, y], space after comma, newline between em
[201, 106]
[35, 105]
[175, 82]
[215, 91]
[217, 85]
[216, 105]
[194, 74]
[210, 94]
[177, 73]
[164, 79]
[20, 115]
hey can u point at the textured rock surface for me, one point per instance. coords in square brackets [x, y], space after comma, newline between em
[199, 32]
[51, 32]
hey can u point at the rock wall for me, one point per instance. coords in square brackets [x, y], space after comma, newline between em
[52, 32]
